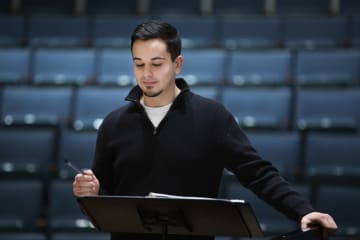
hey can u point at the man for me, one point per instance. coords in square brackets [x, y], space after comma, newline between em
[170, 140]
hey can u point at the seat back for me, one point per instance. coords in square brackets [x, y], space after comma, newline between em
[259, 108]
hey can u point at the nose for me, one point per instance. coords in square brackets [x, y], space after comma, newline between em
[147, 71]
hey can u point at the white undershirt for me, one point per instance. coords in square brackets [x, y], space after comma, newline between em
[155, 114]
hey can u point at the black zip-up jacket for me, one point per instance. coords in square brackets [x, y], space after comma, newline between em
[184, 155]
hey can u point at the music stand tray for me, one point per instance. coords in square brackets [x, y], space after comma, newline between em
[171, 215]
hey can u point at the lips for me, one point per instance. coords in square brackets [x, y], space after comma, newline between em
[149, 83]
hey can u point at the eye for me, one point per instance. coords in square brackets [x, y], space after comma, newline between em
[139, 65]
[156, 64]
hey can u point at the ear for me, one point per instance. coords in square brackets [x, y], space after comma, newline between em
[178, 64]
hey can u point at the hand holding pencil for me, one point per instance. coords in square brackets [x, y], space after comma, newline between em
[85, 182]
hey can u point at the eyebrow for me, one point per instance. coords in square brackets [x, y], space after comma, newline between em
[152, 59]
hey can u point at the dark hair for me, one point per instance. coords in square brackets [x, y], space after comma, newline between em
[157, 29]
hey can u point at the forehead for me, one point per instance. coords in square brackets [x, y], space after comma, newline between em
[148, 49]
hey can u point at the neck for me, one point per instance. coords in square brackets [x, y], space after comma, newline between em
[161, 100]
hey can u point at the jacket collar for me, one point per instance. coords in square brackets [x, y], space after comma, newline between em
[136, 93]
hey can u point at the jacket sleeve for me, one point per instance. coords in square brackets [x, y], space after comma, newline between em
[102, 164]
[253, 172]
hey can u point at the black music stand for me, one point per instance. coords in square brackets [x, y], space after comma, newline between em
[164, 215]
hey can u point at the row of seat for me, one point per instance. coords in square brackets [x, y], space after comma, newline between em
[201, 67]
[197, 7]
[54, 236]
[63, 215]
[275, 108]
[41, 152]
[206, 31]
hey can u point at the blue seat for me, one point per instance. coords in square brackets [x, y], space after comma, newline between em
[112, 7]
[330, 109]
[23, 236]
[259, 108]
[92, 104]
[211, 92]
[12, 31]
[115, 67]
[195, 31]
[259, 68]
[113, 31]
[79, 236]
[327, 68]
[303, 7]
[58, 31]
[60, 66]
[238, 7]
[64, 211]
[164, 7]
[342, 203]
[348, 7]
[204, 66]
[250, 32]
[26, 152]
[14, 66]
[32, 106]
[280, 148]
[304, 32]
[355, 31]
[45, 7]
[15, 215]
[332, 155]
[77, 147]
[271, 221]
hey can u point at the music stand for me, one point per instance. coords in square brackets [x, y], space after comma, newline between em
[163, 215]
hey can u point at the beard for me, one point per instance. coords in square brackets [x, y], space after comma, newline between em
[152, 93]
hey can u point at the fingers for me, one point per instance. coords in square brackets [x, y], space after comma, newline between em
[324, 220]
[86, 184]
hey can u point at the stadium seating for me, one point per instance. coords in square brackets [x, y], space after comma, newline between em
[14, 66]
[210, 92]
[58, 31]
[271, 221]
[76, 147]
[92, 104]
[259, 108]
[15, 215]
[331, 109]
[164, 7]
[195, 31]
[12, 31]
[26, 152]
[64, 66]
[238, 7]
[79, 236]
[112, 7]
[287, 70]
[316, 32]
[115, 67]
[349, 7]
[259, 68]
[23, 236]
[332, 155]
[64, 211]
[340, 202]
[282, 149]
[203, 67]
[355, 32]
[45, 7]
[303, 7]
[113, 31]
[32, 106]
[250, 32]
[327, 68]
